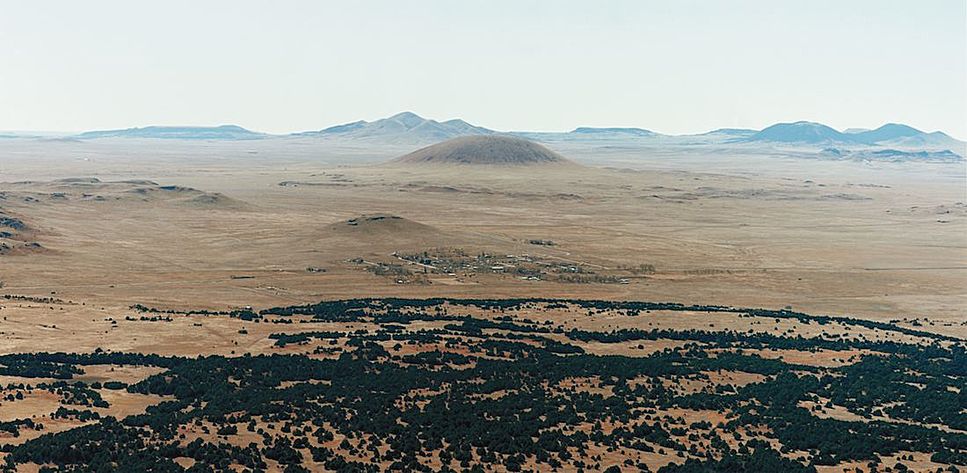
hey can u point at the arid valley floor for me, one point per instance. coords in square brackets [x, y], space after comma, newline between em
[601, 313]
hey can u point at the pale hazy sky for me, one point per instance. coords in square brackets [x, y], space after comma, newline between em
[673, 66]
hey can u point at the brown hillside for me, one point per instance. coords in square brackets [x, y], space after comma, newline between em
[484, 150]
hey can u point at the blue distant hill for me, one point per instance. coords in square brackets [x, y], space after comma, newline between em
[888, 132]
[223, 132]
[891, 134]
[801, 132]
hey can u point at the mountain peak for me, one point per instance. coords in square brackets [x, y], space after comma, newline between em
[409, 119]
[405, 115]
[402, 128]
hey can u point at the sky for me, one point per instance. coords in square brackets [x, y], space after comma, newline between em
[674, 66]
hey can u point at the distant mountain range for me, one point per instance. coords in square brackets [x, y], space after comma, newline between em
[408, 128]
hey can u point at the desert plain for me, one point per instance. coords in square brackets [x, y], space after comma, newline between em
[227, 225]
[130, 246]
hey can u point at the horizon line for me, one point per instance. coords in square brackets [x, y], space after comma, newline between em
[572, 129]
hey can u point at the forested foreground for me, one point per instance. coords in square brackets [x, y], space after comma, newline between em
[488, 389]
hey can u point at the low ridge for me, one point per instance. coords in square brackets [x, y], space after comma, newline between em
[222, 132]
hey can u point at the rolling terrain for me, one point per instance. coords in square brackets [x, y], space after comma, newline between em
[606, 304]
[824, 237]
